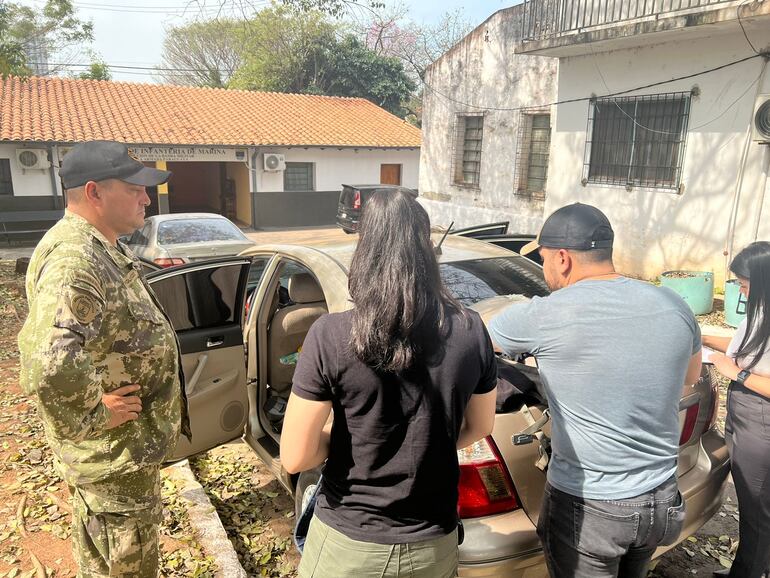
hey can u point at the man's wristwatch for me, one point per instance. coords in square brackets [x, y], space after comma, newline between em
[743, 375]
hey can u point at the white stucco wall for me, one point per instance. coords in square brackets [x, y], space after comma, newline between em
[658, 230]
[482, 70]
[26, 183]
[335, 167]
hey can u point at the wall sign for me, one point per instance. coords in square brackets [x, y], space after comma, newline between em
[173, 154]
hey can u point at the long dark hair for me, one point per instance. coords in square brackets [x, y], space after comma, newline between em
[753, 263]
[401, 305]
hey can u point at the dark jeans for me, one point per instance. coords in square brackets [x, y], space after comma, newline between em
[747, 434]
[585, 538]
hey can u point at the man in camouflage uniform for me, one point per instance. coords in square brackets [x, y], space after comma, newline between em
[102, 360]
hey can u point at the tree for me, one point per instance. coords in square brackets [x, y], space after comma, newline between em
[206, 53]
[284, 51]
[12, 59]
[97, 71]
[53, 32]
[354, 70]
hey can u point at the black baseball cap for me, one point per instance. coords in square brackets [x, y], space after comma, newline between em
[98, 160]
[579, 227]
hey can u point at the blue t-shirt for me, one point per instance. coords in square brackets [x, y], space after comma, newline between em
[613, 356]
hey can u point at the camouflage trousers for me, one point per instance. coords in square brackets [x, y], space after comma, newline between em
[115, 527]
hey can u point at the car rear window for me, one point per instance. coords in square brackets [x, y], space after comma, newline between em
[181, 231]
[478, 279]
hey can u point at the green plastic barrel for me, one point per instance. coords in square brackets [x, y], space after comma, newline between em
[732, 297]
[695, 287]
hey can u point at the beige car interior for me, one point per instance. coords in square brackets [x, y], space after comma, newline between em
[216, 375]
[288, 328]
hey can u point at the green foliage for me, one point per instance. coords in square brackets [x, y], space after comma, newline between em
[98, 71]
[282, 49]
[335, 8]
[354, 70]
[56, 28]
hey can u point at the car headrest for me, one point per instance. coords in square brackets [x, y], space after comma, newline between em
[303, 288]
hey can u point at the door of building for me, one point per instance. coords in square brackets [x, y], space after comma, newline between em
[390, 174]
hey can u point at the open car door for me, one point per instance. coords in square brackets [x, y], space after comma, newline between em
[205, 303]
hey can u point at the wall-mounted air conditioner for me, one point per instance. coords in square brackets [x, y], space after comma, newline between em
[273, 162]
[760, 122]
[29, 159]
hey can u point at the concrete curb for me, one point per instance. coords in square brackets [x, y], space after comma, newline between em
[205, 521]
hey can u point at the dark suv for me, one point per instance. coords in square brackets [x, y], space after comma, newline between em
[352, 199]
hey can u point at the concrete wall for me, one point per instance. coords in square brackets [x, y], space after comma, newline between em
[657, 229]
[26, 183]
[482, 70]
[335, 167]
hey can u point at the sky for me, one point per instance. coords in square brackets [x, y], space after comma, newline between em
[130, 32]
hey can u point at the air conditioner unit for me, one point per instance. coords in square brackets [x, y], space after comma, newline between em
[760, 122]
[29, 159]
[273, 162]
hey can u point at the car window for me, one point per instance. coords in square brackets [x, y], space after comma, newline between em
[201, 299]
[198, 231]
[139, 237]
[478, 279]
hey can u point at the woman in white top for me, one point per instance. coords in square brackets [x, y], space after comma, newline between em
[747, 429]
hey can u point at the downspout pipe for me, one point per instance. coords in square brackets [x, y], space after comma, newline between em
[57, 200]
[253, 186]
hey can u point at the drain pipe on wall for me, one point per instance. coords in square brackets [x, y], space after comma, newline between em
[253, 187]
[730, 240]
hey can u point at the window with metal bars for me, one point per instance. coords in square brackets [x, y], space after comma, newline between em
[6, 183]
[637, 140]
[532, 153]
[467, 159]
[298, 177]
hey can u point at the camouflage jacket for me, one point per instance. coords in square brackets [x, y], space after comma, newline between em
[94, 325]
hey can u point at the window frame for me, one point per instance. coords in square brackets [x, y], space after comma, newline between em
[639, 136]
[5, 165]
[310, 176]
[464, 150]
[525, 151]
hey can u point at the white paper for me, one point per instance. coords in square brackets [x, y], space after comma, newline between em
[706, 352]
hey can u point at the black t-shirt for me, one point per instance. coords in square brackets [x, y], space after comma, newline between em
[392, 471]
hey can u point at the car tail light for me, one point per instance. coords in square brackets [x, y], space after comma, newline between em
[357, 200]
[690, 419]
[166, 262]
[485, 486]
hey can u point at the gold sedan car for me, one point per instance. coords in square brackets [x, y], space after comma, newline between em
[242, 320]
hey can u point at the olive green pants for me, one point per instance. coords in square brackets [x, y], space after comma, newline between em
[115, 538]
[330, 554]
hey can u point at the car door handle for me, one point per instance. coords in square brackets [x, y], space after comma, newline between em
[214, 341]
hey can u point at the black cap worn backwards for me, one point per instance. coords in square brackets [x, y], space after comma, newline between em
[99, 160]
[579, 227]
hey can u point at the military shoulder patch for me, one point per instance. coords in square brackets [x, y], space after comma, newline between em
[83, 306]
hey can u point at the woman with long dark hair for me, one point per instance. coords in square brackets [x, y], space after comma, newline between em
[410, 376]
[747, 429]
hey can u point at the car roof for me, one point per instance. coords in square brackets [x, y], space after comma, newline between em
[453, 249]
[185, 216]
[377, 186]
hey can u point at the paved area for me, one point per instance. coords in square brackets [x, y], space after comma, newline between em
[302, 235]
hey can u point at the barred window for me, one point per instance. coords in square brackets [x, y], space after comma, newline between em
[532, 153]
[637, 141]
[298, 177]
[469, 134]
[6, 183]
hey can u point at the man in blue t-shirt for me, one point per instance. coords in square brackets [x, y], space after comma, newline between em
[613, 354]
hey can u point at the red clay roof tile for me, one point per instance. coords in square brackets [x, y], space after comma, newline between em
[70, 110]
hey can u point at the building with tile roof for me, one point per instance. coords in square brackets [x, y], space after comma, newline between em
[263, 159]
